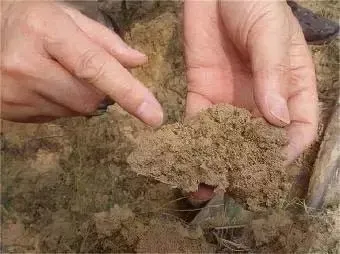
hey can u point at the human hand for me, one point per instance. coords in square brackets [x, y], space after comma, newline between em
[253, 55]
[57, 62]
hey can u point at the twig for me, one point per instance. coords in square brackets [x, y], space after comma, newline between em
[230, 227]
[173, 201]
[226, 243]
[240, 247]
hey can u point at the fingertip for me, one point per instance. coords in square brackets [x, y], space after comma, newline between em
[150, 112]
[195, 103]
[202, 195]
[301, 136]
[129, 57]
[290, 154]
[278, 109]
[274, 108]
[139, 55]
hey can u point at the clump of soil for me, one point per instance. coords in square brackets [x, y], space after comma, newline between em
[284, 232]
[172, 237]
[222, 146]
[281, 231]
[164, 74]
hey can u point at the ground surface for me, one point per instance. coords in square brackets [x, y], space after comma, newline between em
[223, 147]
[67, 187]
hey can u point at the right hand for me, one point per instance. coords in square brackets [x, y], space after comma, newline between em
[57, 62]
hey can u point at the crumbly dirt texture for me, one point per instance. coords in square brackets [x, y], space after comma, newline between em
[282, 231]
[223, 147]
[66, 185]
[166, 236]
[289, 233]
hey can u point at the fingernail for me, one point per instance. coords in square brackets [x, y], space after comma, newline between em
[131, 50]
[278, 108]
[151, 112]
[138, 53]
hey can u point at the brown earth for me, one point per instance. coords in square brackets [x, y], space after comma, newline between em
[281, 231]
[64, 183]
[223, 147]
[166, 236]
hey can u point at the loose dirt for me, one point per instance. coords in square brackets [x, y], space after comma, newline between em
[281, 231]
[66, 186]
[166, 236]
[285, 232]
[223, 147]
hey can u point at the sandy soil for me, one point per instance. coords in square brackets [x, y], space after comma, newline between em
[223, 147]
[67, 186]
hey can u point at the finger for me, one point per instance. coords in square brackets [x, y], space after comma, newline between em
[23, 114]
[33, 113]
[304, 121]
[107, 39]
[48, 78]
[195, 103]
[19, 102]
[60, 87]
[300, 136]
[202, 195]
[90, 63]
[268, 45]
[302, 102]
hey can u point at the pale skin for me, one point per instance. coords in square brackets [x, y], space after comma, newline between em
[56, 62]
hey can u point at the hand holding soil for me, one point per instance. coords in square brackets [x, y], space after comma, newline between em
[57, 62]
[252, 55]
[223, 147]
[67, 186]
[230, 59]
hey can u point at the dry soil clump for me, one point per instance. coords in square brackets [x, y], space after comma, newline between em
[173, 237]
[222, 146]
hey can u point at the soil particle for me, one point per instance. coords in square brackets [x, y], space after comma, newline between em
[267, 229]
[223, 147]
[109, 221]
[173, 237]
[283, 232]
[164, 74]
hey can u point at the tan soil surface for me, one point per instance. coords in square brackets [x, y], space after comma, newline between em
[288, 233]
[62, 183]
[166, 236]
[223, 147]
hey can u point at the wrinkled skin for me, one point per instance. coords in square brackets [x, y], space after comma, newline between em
[57, 62]
[252, 55]
[246, 53]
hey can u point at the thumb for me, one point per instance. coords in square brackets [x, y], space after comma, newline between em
[268, 48]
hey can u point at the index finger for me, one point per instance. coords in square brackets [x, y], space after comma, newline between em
[89, 62]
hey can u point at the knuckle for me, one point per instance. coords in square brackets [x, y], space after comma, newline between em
[38, 17]
[90, 66]
[33, 20]
[90, 105]
[124, 91]
[12, 64]
[263, 70]
[44, 20]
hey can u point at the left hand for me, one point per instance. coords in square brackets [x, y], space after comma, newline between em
[252, 54]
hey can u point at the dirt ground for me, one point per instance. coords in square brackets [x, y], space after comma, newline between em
[249, 166]
[66, 186]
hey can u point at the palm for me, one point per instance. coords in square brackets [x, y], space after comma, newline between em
[216, 71]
